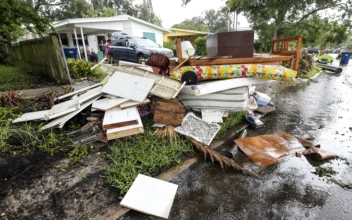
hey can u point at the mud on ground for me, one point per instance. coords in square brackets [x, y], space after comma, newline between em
[38, 187]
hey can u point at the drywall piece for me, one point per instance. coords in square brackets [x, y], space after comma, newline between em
[226, 114]
[63, 108]
[31, 116]
[118, 117]
[212, 116]
[108, 103]
[150, 196]
[221, 85]
[198, 129]
[60, 122]
[128, 86]
[79, 91]
[164, 87]
[90, 94]
[134, 104]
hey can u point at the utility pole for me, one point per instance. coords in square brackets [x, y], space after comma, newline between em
[236, 21]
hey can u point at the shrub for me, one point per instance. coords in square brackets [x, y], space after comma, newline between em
[201, 45]
[82, 69]
[169, 45]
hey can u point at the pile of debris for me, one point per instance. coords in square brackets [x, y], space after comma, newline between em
[306, 63]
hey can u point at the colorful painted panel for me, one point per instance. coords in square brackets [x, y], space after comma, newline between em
[268, 72]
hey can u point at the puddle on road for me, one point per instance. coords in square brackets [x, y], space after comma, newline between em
[289, 190]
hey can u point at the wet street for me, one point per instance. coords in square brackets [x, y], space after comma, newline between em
[320, 112]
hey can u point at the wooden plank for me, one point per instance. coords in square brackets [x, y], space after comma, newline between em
[254, 60]
[286, 39]
[112, 134]
[179, 49]
[298, 55]
[117, 118]
[169, 113]
[157, 99]
[134, 104]
[120, 124]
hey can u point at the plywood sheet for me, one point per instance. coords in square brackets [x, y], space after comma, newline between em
[134, 104]
[169, 113]
[108, 103]
[129, 86]
[125, 131]
[150, 196]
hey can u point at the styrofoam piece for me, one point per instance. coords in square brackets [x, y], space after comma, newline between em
[226, 114]
[90, 94]
[60, 122]
[108, 103]
[164, 87]
[150, 196]
[63, 108]
[187, 49]
[79, 91]
[133, 104]
[198, 129]
[212, 116]
[118, 115]
[220, 85]
[31, 116]
[129, 86]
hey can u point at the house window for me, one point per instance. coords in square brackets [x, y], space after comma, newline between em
[150, 36]
[64, 39]
[79, 38]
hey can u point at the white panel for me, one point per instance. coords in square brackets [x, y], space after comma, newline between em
[93, 43]
[150, 196]
[117, 115]
[212, 116]
[108, 103]
[31, 116]
[133, 104]
[220, 85]
[62, 109]
[90, 94]
[128, 86]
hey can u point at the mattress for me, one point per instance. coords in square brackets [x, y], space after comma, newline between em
[267, 72]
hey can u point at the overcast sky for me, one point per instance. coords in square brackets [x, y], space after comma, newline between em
[172, 12]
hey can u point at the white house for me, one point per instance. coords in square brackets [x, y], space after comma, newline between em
[96, 29]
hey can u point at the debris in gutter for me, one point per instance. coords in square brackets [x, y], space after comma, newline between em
[108, 103]
[234, 149]
[212, 116]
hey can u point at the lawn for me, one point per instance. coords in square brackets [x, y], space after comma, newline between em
[18, 77]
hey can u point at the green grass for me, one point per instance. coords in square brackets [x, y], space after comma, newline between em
[143, 154]
[231, 121]
[311, 73]
[326, 56]
[18, 77]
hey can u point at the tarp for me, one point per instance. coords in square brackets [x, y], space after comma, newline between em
[268, 72]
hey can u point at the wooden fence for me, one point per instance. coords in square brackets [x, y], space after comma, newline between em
[43, 55]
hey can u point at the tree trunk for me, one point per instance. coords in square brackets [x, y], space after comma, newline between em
[276, 29]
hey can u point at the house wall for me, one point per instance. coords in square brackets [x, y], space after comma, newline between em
[138, 29]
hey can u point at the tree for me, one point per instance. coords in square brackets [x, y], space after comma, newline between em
[14, 14]
[142, 11]
[195, 23]
[101, 12]
[217, 20]
[277, 12]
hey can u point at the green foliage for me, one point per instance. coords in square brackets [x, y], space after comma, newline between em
[231, 121]
[311, 73]
[272, 14]
[201, 45]
[15, 13]
[195, 23]
[143, 155]
[99, 12]
[169, 45]
[82, 69]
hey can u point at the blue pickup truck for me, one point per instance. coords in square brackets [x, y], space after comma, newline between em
[134, 49]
